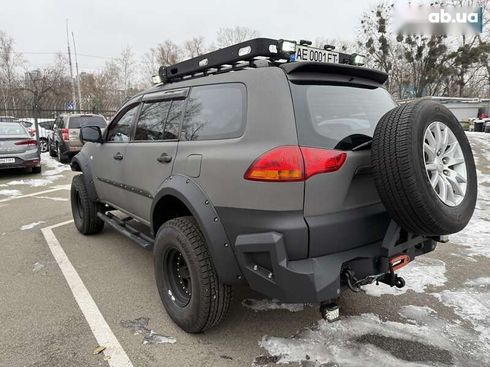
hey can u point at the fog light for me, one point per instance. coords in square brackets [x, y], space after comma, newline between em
[358, 59]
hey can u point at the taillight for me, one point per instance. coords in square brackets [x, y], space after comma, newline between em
[65, 134]
[30, 143]
[322, 160]
[293, 163]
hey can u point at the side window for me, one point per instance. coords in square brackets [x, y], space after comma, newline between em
[151, 122]
[173, 120]
[215, 112]
[119, 131]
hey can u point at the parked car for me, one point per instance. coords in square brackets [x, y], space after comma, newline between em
[44, 133]
[65, 141]
[296, 173]
[18, 149]
[7, 119]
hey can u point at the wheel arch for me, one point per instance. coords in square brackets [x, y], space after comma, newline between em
[180, 196]
[81, 163]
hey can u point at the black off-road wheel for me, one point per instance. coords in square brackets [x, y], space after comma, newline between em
[83, 209]
[424, 168]
[190, 290]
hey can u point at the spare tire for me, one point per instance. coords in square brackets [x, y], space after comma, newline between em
[424, 168]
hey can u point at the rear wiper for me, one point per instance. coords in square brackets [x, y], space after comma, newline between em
[365, 145]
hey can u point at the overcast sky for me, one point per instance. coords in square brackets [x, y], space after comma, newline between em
[102, 28]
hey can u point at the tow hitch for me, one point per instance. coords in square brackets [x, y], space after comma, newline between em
[390, 278]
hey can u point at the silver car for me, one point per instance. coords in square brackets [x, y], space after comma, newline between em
[18, 149]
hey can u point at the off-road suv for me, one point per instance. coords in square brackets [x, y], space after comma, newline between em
[254, 164]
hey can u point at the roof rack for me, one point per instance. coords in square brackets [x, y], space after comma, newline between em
[257, 52]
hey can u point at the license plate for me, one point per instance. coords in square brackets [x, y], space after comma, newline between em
[306, 53]
[7, 160]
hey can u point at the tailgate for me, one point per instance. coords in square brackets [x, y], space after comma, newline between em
[342, 208]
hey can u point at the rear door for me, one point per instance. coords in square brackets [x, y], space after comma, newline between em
[109, 158]
[342, 208]
[150, 155]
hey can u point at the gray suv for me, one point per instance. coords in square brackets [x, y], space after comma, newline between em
[65, 142]
[254, 164]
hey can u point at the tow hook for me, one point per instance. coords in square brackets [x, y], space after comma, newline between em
[390, 278]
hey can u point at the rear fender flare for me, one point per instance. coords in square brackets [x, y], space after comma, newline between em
[193, 197]
[81, 163]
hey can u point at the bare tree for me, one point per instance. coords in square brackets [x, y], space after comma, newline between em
[230, 36]
[194, 47]
[126, 65]
[10, 61]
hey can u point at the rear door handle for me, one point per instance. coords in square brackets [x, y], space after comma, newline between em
[164, 158]
[118, 156]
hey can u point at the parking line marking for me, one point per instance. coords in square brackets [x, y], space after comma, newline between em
[95, 319]
[33, 194]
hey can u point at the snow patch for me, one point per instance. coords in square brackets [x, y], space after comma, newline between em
[473, 305]
[339, 343]
[11, 193]
[476, 236]
[51, 198]
[53, 166]
[31, 225]
[274, 304]
[418, 275]
[35, 182]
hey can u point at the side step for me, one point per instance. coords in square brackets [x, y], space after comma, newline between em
[122, 226]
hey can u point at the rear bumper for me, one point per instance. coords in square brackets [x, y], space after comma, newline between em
[23, 160]
[318, 279]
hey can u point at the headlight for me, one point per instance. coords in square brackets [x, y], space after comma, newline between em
[357, 59]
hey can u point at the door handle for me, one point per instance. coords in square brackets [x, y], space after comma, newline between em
[118, 156]
[164, 158]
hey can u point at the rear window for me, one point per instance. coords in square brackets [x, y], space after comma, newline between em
[337, 116]
[78, 121]
[12, 129]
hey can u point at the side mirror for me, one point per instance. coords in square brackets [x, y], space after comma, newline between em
[90, 133]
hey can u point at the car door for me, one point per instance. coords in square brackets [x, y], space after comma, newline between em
[109, 158]
[151, 154]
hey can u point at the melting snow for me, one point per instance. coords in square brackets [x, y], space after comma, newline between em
[31, 225]
[7, 192]
[139, 326]
[53, 166]
[267, 305]
[473, 305]
[51, 198]
[346, 342]
[476, 236]
[418, 275]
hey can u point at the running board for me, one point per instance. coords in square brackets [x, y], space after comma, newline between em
[122, 226]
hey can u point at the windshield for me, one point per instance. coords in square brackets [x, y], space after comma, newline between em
[78, 121]
[338, 116]
[12, 129]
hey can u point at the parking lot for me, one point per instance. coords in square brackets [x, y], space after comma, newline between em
[48, 316]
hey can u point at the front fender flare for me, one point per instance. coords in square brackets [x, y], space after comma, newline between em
[220, 248]
[83, 162]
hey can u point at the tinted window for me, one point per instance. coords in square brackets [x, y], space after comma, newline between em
[78, 121]
[151, 122]
[214, 112]
[120, 131]
[12, 129]
[173, 120]
[334, 116]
